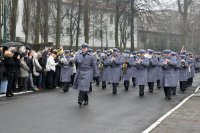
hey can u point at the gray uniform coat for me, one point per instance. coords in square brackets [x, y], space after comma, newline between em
[86, 70]
[151, 71]
[159, 69]
[66, 70]
[104, 73]
[133, 68]
[176, 70]
[127, 74]
[184, 72]
[191, 63]
[168, 75]
[115, 69]
[141, 78]
[197, 62]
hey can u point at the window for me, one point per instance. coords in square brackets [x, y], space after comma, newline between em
[111, 19]
[96, 33]
[111, 34]
[67, 11]
[67, 31]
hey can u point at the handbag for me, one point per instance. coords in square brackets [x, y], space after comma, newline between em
[35, 71]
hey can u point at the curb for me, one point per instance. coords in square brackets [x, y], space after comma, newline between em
[20, 93]
[161, 119]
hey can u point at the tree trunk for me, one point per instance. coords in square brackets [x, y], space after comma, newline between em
[132, 25]
[78, 24]
[27, 17]
[37, 22]
[71, 26]
[46, 20]
[86, 21]
[117, 24]
[1, 7]
[13, 20]
[58, 23]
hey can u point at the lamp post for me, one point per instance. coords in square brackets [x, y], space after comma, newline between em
[5, 21]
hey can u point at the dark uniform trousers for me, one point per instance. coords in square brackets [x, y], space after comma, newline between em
[158, 84]
[141, 90]
[134, 81]
[115, 87]
[90, 90]
[168, 91]
[65, 86]
[151, 86]
[103, 84]
[174, 90]
[126, 85]
[183, 85]
[83, 96]
[190, 81]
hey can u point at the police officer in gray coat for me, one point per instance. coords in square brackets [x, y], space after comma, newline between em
[151, 71]
[104, 64]
[86, 67]
[126, 68]
[183, 72]
[176, 71]
[141, 64]
[115, 69]
[191, 63]
[133, 68]
[158, 70]
[197, 63]
[66, 69]
[168, 76]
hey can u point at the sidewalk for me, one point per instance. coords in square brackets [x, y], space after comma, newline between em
[186, 119]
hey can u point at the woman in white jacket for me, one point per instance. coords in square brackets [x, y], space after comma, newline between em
[50, 68]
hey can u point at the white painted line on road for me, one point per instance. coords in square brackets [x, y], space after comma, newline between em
[154, 125]
[20, 93]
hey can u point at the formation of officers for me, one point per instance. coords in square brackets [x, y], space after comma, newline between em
[141, 68]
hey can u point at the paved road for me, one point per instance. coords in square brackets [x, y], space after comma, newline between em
[56, 112]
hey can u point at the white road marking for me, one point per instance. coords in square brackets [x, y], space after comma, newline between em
[154, 125]
[20, 93]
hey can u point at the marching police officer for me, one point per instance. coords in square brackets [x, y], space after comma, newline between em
[126, 68]
[133, 68]
[66, 70]
[142, 64]
[104, 68]
[86, 67]
[191, 63]
[183, 72]
[176, 71]
[168, 77]
[151, 71]
[115, 69]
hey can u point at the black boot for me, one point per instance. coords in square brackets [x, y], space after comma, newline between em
[66, 87]
[97, 81]
[174, 91]
[90, 90]
[158, 84]
[126, 86]
[141, 90]
[103, 85]
[151, 85]
[134, 82]
[86, 99]
[114, 88]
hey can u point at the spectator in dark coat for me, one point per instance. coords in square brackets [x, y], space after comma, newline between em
[11, 66]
